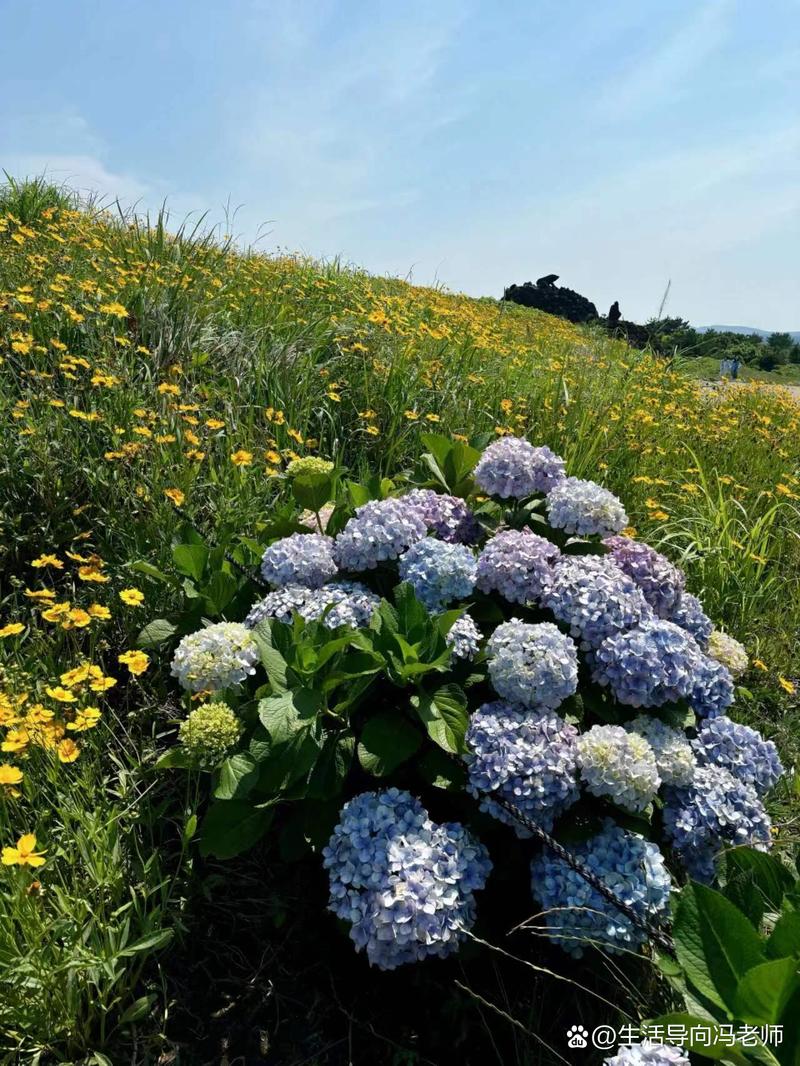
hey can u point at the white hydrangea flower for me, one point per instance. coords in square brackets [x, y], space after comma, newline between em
[619, 765]
[675, 758]
[215, 658]
[728, 651]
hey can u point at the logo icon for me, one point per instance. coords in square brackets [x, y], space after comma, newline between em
[577, 1036]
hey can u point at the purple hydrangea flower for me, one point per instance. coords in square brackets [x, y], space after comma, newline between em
[535, 665]
[347, 603]
[464, 638]
[583, 508]
[512, 467]
[516, 564]
[526, 759]
[448, 517]
[712, 687]
[660, 581]
[713, 811]
[405, 884]
[380, 530]
[438, 572]
[648, 666]
[689, 615]
[575, 912]
[741, 750]
[301, 559]
[648, 1054]
[591, 595]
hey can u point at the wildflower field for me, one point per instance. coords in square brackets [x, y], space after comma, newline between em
[175, 414]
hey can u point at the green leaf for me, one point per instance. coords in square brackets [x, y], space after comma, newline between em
[271, 659]
[237, 776]
[284, 714]
[765, 990]
[313, 490]
[141, 566]
[438, 445]
[190, 559]
[219, 591]
[770, 876]
[176, 758]
[139, 1009]
[715, 943]
[444, 714]
[359, 494]
[332, 766]
[742, 892]
[231, 827]
[387, 740]
[156, 633]
[190, 828]
[785, 938]
[153, 942]
[289, 762]
[441, 772]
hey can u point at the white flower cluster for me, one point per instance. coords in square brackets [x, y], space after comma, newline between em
[619, 765]
[675, 759]
[728, 651]
[215, 658]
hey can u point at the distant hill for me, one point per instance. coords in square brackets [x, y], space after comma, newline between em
[749, 330]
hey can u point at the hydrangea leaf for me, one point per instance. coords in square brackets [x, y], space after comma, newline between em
[444, 714]
[715, 944]
[231, 827]
[785, 938]
[237, 776]
[764, 991]
[156, 633]
[386, 741]
[190, 559]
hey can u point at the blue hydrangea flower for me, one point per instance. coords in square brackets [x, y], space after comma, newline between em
[648, 666]
[712, 687]
[535, 665]
[741, 750]
[661, 582]
[584, 508]
[675, 759]
[439, 573]
[348, 603]
[591, 595]
[648, 1054]
[464, 638]
[380, 530]
[512, 467]
[527, 759]
[689, 615]
[728, 651]
[578, 916]
[448, 517]
[620, 765]
[215, 658]
[516, 564]
[405, 884]
[301, 559]
[714, 811]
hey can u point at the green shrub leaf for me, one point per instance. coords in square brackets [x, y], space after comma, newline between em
[386, 741]
[231, 827]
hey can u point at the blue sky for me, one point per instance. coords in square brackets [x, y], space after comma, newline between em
[619, 144]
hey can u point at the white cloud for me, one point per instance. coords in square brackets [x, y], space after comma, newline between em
[84, 173]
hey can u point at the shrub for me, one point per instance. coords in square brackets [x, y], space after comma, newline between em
[600, 698]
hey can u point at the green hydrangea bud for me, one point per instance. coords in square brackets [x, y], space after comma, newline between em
[210, 733]
[311, 464]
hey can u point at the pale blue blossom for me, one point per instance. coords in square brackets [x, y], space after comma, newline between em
[535, 665]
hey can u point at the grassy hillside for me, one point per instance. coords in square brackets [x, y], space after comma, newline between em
[140, 369]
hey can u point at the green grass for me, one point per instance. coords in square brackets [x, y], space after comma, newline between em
[120, 342]
[706, 368]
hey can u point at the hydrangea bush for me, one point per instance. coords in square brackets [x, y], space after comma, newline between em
[484, 640]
